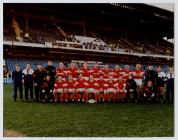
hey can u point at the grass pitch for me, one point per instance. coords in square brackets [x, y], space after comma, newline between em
[85, 120]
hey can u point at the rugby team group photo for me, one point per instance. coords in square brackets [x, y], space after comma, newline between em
[73, 84]
[89, 70]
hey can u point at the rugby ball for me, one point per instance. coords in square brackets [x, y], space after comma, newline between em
[91, 101]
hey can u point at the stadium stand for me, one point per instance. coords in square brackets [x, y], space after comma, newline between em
[68, 33]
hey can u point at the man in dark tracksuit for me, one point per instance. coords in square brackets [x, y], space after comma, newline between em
[38, 76]
[131, 87]
[151, 75]
[17, 82]
[51, 71]
[47, 90]
[28, 81]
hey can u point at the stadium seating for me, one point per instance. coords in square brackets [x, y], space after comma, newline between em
[10, 63]
[41, 31]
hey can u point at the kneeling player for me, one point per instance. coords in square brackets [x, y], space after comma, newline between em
[121, 89]
[110, 87]
[58, 89]
[47, 90]
[148, 92]
[80, 88]
[70, 88]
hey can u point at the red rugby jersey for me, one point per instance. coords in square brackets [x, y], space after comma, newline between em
[107, 72]
[73, 72]
[92, 84]
[126, 74]
[59, 84]
[121, 84]
[96, 72]
[138, 74]
[61, 72]
[85, 72]
[70, 84]
[110, 84]
[80, 83]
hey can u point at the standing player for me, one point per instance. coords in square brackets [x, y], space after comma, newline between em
[28, 81]
[126, 72]
[110, 87]
[121, 91]
[61, 70]
[80, 88]
[58, 89]
[116, 72]
[69, 87]
[95, 71]
[138, 76]
[107, 72]
[160, 80]
[72, 71]
[85, 71]
[17, 81]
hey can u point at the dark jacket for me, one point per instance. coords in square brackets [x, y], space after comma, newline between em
[17, 77]
[131, 84]
[38, 76]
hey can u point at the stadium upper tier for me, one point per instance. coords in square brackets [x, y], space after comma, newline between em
[91, 33]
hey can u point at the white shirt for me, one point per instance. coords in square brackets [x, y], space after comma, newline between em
[169, 75]
[30, 72]
[161, 74]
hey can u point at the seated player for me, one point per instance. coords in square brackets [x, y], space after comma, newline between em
[47, 90]
[148, 91]
[131, 88]
[121, 91]
[101, 86]
[110, 87]
[80, 85]
[69, 87]
[91, 90]
[58, 89]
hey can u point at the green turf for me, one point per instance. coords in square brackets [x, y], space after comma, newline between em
[98, 120]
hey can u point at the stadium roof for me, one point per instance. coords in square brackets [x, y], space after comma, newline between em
[118, 16]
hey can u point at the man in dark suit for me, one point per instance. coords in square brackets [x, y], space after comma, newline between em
[17, 81]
